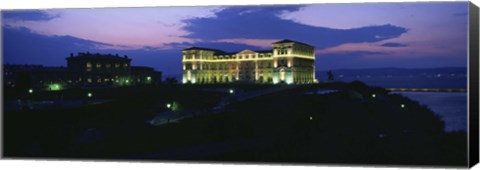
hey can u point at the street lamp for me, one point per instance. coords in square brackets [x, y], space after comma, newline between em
[373, 95]
[402, 105]
[231, 91]
[30, 91]
[89, 94]
[169, 105]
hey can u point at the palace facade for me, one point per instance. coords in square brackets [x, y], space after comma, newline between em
[289, 62]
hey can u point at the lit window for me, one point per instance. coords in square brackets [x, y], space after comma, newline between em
[117, 65]
[108, 65]
[99, 65]
[89, 66]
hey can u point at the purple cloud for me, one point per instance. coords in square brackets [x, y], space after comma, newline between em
[391, 44]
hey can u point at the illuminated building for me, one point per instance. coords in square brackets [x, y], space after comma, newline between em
[289, 62]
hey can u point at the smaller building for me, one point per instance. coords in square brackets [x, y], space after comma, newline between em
[141, 75]
[36, 77]
[99, 69]
[84, 70]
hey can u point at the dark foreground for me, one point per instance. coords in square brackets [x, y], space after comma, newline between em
[350, 125]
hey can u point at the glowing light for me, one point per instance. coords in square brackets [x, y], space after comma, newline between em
[373, 95]
[169, 105]
[55, 87]
[275, 79]
[231, 91]
[30, 90]
[311, 118]
[402, 105]
[289, 81]
[89, 94]
[127, 81]
[149, 78]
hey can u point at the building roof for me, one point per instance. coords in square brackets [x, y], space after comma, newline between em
[220, 52]
[290, 41]
[201, 48]
[217, 52]
[21, 66]
[98, 56]
[33, 68]
[264, 51]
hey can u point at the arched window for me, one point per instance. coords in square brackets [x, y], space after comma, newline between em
[282, 74]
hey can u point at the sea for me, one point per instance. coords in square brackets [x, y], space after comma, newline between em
[450, 106]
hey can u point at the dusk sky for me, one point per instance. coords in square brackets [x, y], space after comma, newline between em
[369, 35]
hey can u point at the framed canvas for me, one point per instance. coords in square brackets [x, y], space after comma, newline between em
[359, 84]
